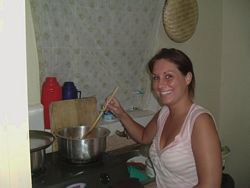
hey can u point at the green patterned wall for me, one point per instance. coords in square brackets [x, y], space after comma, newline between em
[97, 44]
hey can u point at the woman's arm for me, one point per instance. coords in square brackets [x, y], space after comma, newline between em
[207, 152]
[140, 134]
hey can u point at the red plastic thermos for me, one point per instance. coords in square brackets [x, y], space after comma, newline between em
[51, 91]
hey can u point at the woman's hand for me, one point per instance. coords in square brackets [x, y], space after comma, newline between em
[135, 130]
[115, 107]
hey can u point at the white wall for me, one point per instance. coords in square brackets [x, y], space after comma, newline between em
[14, 135]
[32, 60]
[235, 88]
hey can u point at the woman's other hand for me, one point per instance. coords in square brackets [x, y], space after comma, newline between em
[114, 106]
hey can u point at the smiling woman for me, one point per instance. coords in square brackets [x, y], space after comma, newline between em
[185, 146]
[179, 59]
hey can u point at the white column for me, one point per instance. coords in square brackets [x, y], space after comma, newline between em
[14, 133]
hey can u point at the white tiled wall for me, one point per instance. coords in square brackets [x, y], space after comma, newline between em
[36, 121]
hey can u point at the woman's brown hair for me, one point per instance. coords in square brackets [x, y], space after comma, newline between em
[180, 59]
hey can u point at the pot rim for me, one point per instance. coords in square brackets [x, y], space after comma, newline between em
[42, 135]
[107, 132]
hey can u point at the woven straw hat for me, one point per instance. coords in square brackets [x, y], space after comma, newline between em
[180, 18]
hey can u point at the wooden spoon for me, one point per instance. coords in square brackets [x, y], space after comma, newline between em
[101, 113]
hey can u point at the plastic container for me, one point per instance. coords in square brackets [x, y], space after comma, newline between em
[51, 91]
[69, 91]
[108, 116]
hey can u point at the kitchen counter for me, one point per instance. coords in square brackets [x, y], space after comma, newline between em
[150, 185]
[113, 140]
[140, 116]
[133, 150]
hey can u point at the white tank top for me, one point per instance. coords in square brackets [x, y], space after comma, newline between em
[174, 165]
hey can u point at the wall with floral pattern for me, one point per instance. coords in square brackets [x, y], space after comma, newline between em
[97, 44]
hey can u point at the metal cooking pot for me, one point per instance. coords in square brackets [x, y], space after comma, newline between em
[76, 149]
[39, 141]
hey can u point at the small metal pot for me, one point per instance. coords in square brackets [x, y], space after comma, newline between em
[39, 141]
[77, 149]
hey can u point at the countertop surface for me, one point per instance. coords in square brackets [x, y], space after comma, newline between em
[134, 149]
[151, 185]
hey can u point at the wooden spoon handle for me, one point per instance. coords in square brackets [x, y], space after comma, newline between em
[101, 113]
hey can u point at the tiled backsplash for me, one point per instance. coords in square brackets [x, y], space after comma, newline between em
[36, 117]
[97, 44]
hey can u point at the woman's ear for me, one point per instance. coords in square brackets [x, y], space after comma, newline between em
[188, 78]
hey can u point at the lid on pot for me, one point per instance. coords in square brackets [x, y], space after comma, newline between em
[40, 140]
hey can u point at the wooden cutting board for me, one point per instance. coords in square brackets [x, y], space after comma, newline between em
[70, 113]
